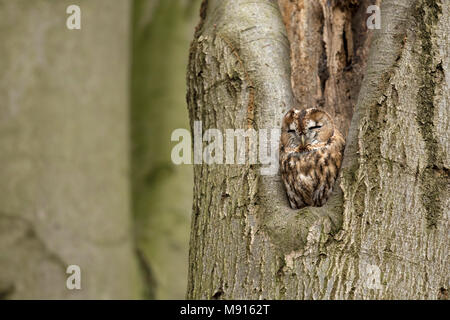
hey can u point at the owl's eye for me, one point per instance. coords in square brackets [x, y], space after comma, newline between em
[315, 127]
[291, 131]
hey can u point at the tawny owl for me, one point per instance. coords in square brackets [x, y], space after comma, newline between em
[311, 151]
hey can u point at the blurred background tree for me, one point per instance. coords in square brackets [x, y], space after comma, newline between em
[70, 192]
[64, 169]
[162, 191]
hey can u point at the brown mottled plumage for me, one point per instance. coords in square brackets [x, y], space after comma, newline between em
[311, 151]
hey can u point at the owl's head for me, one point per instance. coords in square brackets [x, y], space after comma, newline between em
[306, 128]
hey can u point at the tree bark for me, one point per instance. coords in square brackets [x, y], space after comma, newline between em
[64, 191]
[162, 32]
[329, 47]
[384, 232]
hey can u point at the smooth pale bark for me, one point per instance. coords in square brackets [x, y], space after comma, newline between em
[162, 191]
[384, 233]
[64, 191]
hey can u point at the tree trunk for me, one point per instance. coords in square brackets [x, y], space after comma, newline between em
[64, 191]
[384, 232]
[162, 31]
[329, 47]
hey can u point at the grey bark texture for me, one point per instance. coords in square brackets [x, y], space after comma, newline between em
[64, 191]
[384, 232]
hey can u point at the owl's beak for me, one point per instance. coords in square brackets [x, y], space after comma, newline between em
[303, 140]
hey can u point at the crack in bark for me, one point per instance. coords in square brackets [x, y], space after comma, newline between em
[250, 85]
[432, 76]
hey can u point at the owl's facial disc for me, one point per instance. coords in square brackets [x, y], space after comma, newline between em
[311, 132]
[313, 125]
